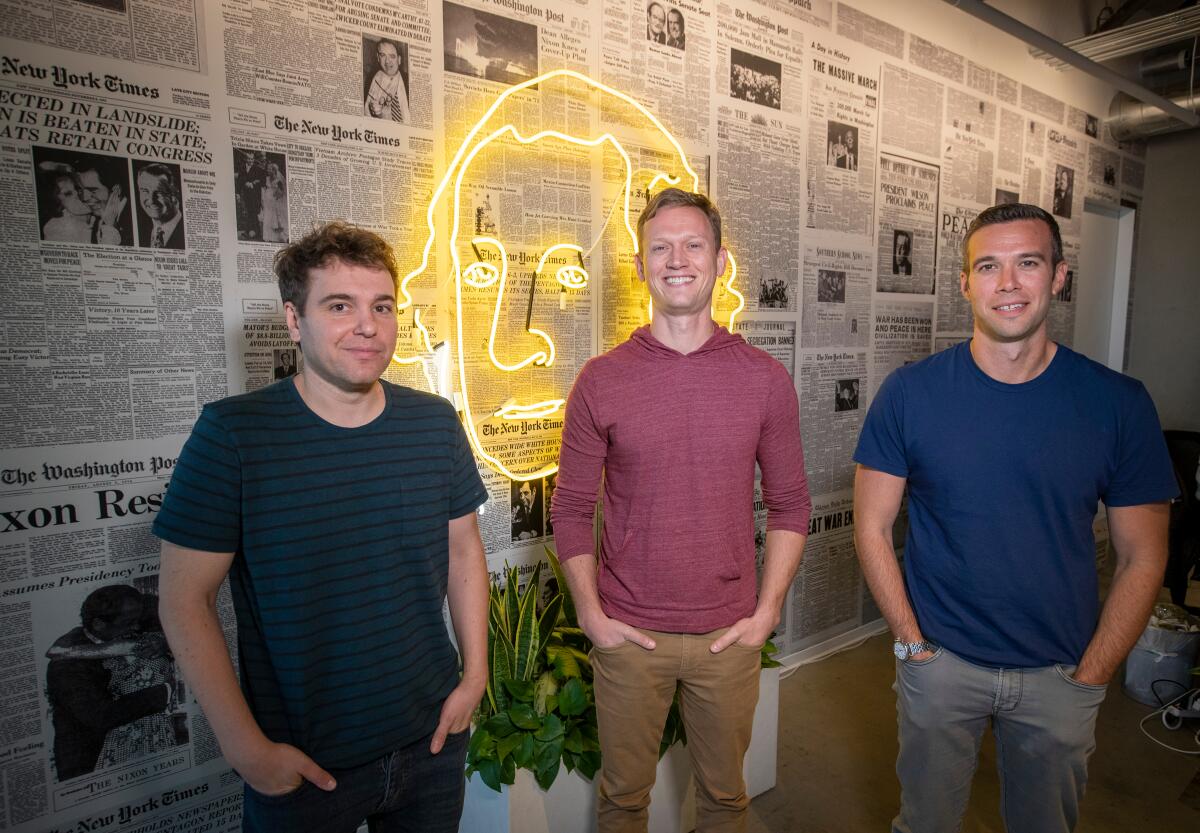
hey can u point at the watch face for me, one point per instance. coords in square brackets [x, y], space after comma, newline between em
[900, 650]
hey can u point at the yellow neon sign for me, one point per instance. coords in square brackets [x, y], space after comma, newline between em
[573, 275]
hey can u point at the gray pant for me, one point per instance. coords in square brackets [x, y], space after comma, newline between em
[1044, 723]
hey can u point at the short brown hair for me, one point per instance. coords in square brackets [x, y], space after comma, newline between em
[1011, 213]
[336, 240]
[678, 198]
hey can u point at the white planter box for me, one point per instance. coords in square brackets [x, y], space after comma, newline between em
[570, 805]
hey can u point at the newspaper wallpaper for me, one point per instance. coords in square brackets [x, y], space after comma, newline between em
[154, 154]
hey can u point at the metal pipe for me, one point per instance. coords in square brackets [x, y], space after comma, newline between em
[1017, 29]
[1136, 37]
[1130, 120]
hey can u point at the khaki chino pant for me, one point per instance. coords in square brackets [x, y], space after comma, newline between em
[718, 694]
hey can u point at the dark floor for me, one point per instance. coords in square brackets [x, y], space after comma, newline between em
[837, 752]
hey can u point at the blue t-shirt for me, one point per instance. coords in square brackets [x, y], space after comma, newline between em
[1003, 484]
[341, 538]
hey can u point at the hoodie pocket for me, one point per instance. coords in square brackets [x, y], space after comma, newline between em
[686, 567]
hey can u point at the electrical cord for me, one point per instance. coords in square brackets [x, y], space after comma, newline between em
[1163, 711]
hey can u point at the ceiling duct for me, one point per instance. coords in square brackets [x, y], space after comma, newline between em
[1129, 40]
[1130, 119]
[1148, 101]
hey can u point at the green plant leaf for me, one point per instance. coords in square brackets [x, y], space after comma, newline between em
[543, 693]
[572, 698]
[674, 731]
[507, 745]
[548, 620]
[527, 637]
[523, 716]
[573, 741]
[499, 725]
[559, 657]
[496, 617]
[480, 744]
[568, 607]
[511, 603]
[591, 742]
[551, 728]
[546, 762]
[523, 756]
[489, 771]
[766, 660]
[546, 777]
[502, 669]
[508, 771]
[589, 764]
[521, 690]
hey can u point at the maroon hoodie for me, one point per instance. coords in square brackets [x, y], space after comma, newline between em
[676, 437]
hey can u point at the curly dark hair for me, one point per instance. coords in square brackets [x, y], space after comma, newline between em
[335, 240]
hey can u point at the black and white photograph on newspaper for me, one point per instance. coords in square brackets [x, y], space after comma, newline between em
[159, 192]
[665, 25]
[676, 29]
[114, 694]
[549, 483]
[526, 501]
[845, 395]
[773, 293]
[83, 197]
[755, 79]
[260, 195]
[831, 286]
[385, 79]
[901, 252]
[1004, 197]
[842, 142]
[285, 362]
[1064, 191]
[489, 46]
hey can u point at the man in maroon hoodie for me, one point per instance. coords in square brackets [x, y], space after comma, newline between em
[673, 421]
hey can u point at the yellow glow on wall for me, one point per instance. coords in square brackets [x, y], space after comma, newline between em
[484, 272]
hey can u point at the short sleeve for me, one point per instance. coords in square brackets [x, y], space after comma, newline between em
[881, 443]
[1143, 470]
[202, 507]
[467, 489]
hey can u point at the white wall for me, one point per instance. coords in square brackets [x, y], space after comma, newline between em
[1164, 350]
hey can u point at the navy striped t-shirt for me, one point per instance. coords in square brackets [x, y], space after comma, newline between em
[341, 539]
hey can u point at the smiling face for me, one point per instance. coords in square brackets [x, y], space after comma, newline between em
[389, 58]
[1011, 280]
[675, 24]
[157, 197]
[95, 192]
[347, 328]
[656, 19]
[680, 262]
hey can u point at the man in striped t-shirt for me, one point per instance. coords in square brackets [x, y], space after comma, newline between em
[342, 508]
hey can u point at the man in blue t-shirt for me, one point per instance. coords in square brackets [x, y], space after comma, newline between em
[342, 508]
[1006, 444]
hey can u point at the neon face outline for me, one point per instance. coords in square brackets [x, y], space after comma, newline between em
[490, 267]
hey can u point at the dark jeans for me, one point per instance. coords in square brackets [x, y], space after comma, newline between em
[406, 791]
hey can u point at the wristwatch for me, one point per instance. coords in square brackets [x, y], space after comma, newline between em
[905, 651]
